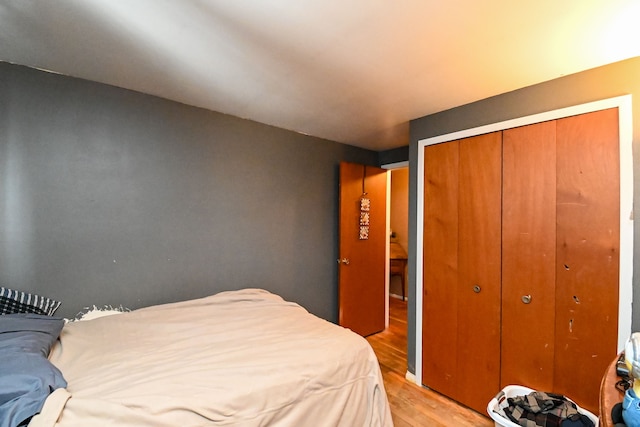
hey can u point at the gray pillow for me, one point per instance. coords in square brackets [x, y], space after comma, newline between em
[26, 375]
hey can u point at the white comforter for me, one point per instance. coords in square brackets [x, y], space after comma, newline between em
[242, 358]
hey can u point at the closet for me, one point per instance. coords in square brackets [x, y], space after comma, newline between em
[521, 260]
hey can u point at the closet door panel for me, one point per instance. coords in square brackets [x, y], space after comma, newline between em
[440, 268]
[479, 262]
[588, 252]
[528, 255]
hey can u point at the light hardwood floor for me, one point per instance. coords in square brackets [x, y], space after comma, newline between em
[412, 405]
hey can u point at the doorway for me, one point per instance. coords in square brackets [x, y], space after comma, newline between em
[399, 232]
[395, 335]
[364, 261]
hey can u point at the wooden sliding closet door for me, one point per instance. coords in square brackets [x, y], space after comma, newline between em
[440, 268]
[529, 255]
[521, 260]
[461, 329]
[479, 261]
[588, 251]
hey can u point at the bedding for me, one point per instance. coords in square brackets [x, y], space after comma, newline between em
[239, 358]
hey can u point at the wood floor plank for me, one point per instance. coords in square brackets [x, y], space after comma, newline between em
[412, 405]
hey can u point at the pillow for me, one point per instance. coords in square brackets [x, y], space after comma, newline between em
[26, 375]
[12, 301]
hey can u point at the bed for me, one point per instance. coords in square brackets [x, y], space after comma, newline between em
[238, 358]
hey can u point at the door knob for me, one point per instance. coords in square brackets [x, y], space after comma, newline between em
[476, 289]
[344, 261]
[526, 299]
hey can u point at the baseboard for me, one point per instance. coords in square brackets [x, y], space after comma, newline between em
[411, 377]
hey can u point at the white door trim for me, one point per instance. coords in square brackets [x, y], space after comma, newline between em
[624, 105]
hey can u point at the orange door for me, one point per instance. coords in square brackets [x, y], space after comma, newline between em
[362, 261]
[479, 227]
[539, 245]
[461, 319]
[529, 255]
[440, 269]
[588, 227]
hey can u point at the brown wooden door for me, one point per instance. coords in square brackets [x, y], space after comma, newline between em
[587, 272]
[561, 254]
[479, 268]
[559, 262]
[362, 262]
[461, 330]
[440, 268]
[529, 256]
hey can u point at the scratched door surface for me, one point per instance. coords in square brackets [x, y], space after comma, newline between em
[588, 253]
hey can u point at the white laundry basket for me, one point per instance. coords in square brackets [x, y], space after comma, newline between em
[493, 408]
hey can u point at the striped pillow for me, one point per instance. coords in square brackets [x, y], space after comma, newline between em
[12, 301]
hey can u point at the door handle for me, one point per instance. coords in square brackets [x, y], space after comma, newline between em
[526, 299]
[344, 261]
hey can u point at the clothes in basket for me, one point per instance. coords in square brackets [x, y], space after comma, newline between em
[521, 406]
[540, 409]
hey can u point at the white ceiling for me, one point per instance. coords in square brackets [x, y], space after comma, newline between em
[353, 71]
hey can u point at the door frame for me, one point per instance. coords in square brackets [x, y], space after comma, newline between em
[389, 167]
[625, 116]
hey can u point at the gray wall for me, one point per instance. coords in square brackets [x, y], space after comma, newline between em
[600, 83]
[109, 196]
[395, 155]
